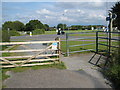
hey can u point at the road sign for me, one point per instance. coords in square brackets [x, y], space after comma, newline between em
[107, 18]
[114, 16]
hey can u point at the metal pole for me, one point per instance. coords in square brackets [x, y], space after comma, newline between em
[97, 42]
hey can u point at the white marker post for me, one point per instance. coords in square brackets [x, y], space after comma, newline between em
[30, 33]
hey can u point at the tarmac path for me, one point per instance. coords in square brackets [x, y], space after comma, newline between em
[79, 74]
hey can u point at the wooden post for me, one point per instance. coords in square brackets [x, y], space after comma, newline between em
[110, 35]
[110, 30]
[59, 52]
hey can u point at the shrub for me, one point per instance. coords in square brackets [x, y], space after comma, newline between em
[52, 29]
[5, 36]
[113, 71]
[14, 33]
[38, 31]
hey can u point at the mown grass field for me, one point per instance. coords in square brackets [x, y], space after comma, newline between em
[92, 46]
[69, 31]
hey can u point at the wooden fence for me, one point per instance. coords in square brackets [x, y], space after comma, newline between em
[41, 57]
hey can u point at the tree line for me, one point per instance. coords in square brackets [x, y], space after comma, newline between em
[19, 26]
[36, 24]
[78, 27]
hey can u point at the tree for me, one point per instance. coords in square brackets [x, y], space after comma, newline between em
[7, 25]
[18, 26]
[76, 27]
[28, 27]
[89, 27]
[46, 27]
[94, 26]
[62, 26]
[116, 10]
[34, 24]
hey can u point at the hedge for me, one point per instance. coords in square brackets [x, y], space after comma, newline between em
[14, 33]
[38, 31]
[5, 36]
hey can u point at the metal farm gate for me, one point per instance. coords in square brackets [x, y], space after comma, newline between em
[80, 42]
[98, 42]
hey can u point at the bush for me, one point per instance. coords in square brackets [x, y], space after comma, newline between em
[5, 36]
[52, 29]
[38, 31]
[14, 33]
[113, 71]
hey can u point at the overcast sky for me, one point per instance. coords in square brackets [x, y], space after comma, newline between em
[52, 13]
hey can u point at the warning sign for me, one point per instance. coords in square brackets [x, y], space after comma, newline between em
[54, 46]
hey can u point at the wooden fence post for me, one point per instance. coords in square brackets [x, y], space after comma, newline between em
[59, 48]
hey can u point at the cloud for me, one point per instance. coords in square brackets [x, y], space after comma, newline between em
[70, 13]
[66, 19]
[59, 0]
[43, 11]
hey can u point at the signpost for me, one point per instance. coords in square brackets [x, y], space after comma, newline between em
[111, 17]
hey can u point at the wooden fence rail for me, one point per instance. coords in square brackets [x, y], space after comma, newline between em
[40, 58]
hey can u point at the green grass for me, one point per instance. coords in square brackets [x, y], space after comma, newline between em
[9, 54]
[78, 48]
[14, 33]
[3, 47]
[93, 34]
[50, 32]
[69, 31]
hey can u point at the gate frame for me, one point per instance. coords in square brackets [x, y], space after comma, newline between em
[97, 41]
[67, 44]
[4, 60]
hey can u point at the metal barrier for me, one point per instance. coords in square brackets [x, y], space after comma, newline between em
[99, 41]
[81, 39]
[110, 43]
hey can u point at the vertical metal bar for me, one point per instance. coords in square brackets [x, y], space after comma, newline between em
[97, 42]
[107, 41]
[67, 46]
